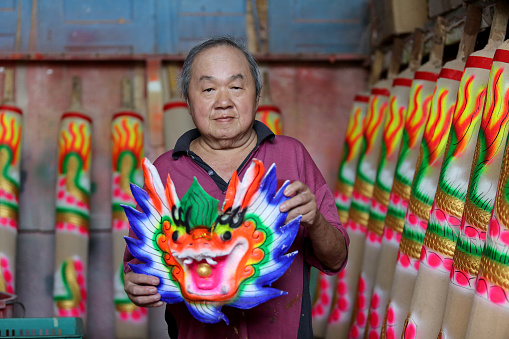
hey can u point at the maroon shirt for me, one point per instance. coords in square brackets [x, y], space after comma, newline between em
[287, 316]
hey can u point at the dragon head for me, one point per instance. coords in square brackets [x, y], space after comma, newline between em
[211, 257]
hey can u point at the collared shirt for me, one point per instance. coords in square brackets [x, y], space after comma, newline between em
[287, 316]
[184, 142]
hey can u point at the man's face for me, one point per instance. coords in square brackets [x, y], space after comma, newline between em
[222, 95]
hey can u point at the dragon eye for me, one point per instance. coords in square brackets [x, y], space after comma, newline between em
[175, 236]
[226, 236]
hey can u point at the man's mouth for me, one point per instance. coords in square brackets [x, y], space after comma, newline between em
[209, 272]
[224, 119]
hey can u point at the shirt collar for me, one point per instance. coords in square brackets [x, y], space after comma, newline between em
[183, 143]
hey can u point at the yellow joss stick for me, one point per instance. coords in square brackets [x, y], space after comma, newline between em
[72, 210]
[11, 120]
[484, 176]
[127, 127]
[428, 300]
[176, 117]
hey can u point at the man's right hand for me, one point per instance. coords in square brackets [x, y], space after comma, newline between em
[141, 289]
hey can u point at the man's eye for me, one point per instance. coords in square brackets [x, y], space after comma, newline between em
[236, 87]
[208, 90]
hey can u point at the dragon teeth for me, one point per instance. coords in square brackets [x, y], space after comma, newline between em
[224, 289]
[188, 261]
[210, 261]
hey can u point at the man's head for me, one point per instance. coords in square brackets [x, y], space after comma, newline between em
[221, 92]
[185, 76]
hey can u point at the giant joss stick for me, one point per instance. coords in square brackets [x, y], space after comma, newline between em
[176, 117]
[10, 152]
[430, 291]
[484, 177]
[267, 112]
[422, 193]
[421, 93]
[342, 194]
[404, 95]
[392, 135]
[328, 297]
[490, 308]
[351, 153]
[328, 303]
[361, 196]
[72, 209]
[127, 130]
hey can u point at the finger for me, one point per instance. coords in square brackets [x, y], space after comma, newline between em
[142, 279]
[294, 188]
[306, 217]
[141, 290]
[300, 199]
[150, 301]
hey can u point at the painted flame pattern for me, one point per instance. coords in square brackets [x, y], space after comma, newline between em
[271, 119]
[467, 111]
[353, 138]
[417, 115]
[127, 135]
[437, 127]
[10, 135]
[393, 127]
[76, 139]
[374, 118]
[495, 115]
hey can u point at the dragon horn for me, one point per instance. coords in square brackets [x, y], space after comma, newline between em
[154, 185]
[171, 193]
[240, 194]
[231, 192]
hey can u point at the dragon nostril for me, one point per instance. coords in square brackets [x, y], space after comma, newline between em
[226, 236]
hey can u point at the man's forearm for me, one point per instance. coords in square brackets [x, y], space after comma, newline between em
[328, 243]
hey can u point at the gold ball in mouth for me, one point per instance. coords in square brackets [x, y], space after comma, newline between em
[204, 270]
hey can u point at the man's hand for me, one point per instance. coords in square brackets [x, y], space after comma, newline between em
[141, 289]
[327, 241]
[302, 202]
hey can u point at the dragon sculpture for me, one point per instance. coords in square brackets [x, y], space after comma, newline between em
[210, 257]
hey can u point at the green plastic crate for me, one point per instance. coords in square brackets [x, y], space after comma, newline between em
[61, 328]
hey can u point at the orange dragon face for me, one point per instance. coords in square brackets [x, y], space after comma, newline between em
[209, 257]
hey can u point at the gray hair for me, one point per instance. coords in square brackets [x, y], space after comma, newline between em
[185, 76]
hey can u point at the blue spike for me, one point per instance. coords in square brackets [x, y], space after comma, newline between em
[138, 268]
[275, 269]
[284, 236]
[168, 285]
[171, 298]
[141, 198]
[206, 312]
[135, 218]
[250, 299]
[136, 249]
[280, 197]
[269, 182]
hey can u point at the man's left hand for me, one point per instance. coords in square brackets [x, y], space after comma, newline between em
[302, 202]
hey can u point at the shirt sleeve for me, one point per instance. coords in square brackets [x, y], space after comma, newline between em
[326, 206]
[313, 178]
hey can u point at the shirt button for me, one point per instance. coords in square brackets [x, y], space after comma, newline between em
[211, 172]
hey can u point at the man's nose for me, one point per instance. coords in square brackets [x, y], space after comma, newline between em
[223, 100]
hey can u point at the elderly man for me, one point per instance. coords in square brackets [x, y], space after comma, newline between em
[221, 84]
